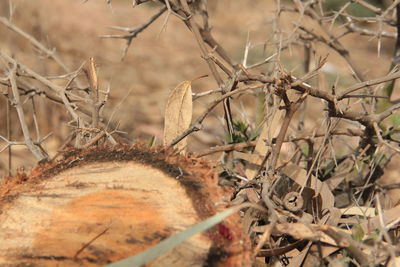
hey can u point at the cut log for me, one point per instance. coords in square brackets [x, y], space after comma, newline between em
[99, 206]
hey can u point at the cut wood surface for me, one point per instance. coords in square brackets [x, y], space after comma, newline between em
[103, 205]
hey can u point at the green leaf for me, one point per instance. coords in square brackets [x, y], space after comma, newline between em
[240, 134]
[394, 120]
[152, 141]
[173, 241]
[240, 126]
[357, 232]
[380, 159]
[372, 236]
[327, 169]
[305, 150]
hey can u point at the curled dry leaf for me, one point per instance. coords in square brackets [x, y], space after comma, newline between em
[299, 176]
[178, 114]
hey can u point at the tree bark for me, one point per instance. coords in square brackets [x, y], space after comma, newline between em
[99, 206]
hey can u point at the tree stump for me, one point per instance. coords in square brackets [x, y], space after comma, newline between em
[102, 205]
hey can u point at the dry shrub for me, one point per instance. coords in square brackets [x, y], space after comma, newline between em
[309, 121]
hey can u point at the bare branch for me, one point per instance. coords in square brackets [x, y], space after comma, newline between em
[37, 44]
[361, 85]
[36, 151]
[133, 32]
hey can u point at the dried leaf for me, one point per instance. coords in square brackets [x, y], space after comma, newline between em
[299, 231]
[251, 158]
[340, 173]
[311, 260]
[360, 211]
[326, 250]
[388, 217]
[297, 260]
[334, 216]
[269, 131]
[178, 114]
[394, 262]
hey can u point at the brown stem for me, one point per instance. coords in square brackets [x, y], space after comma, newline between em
[291, 109]
[36, 151]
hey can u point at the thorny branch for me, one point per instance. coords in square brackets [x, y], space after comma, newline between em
[36, 150]
[47, 52]
[133, 32]
[73, 100]
[337, 102]
[274, 150]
